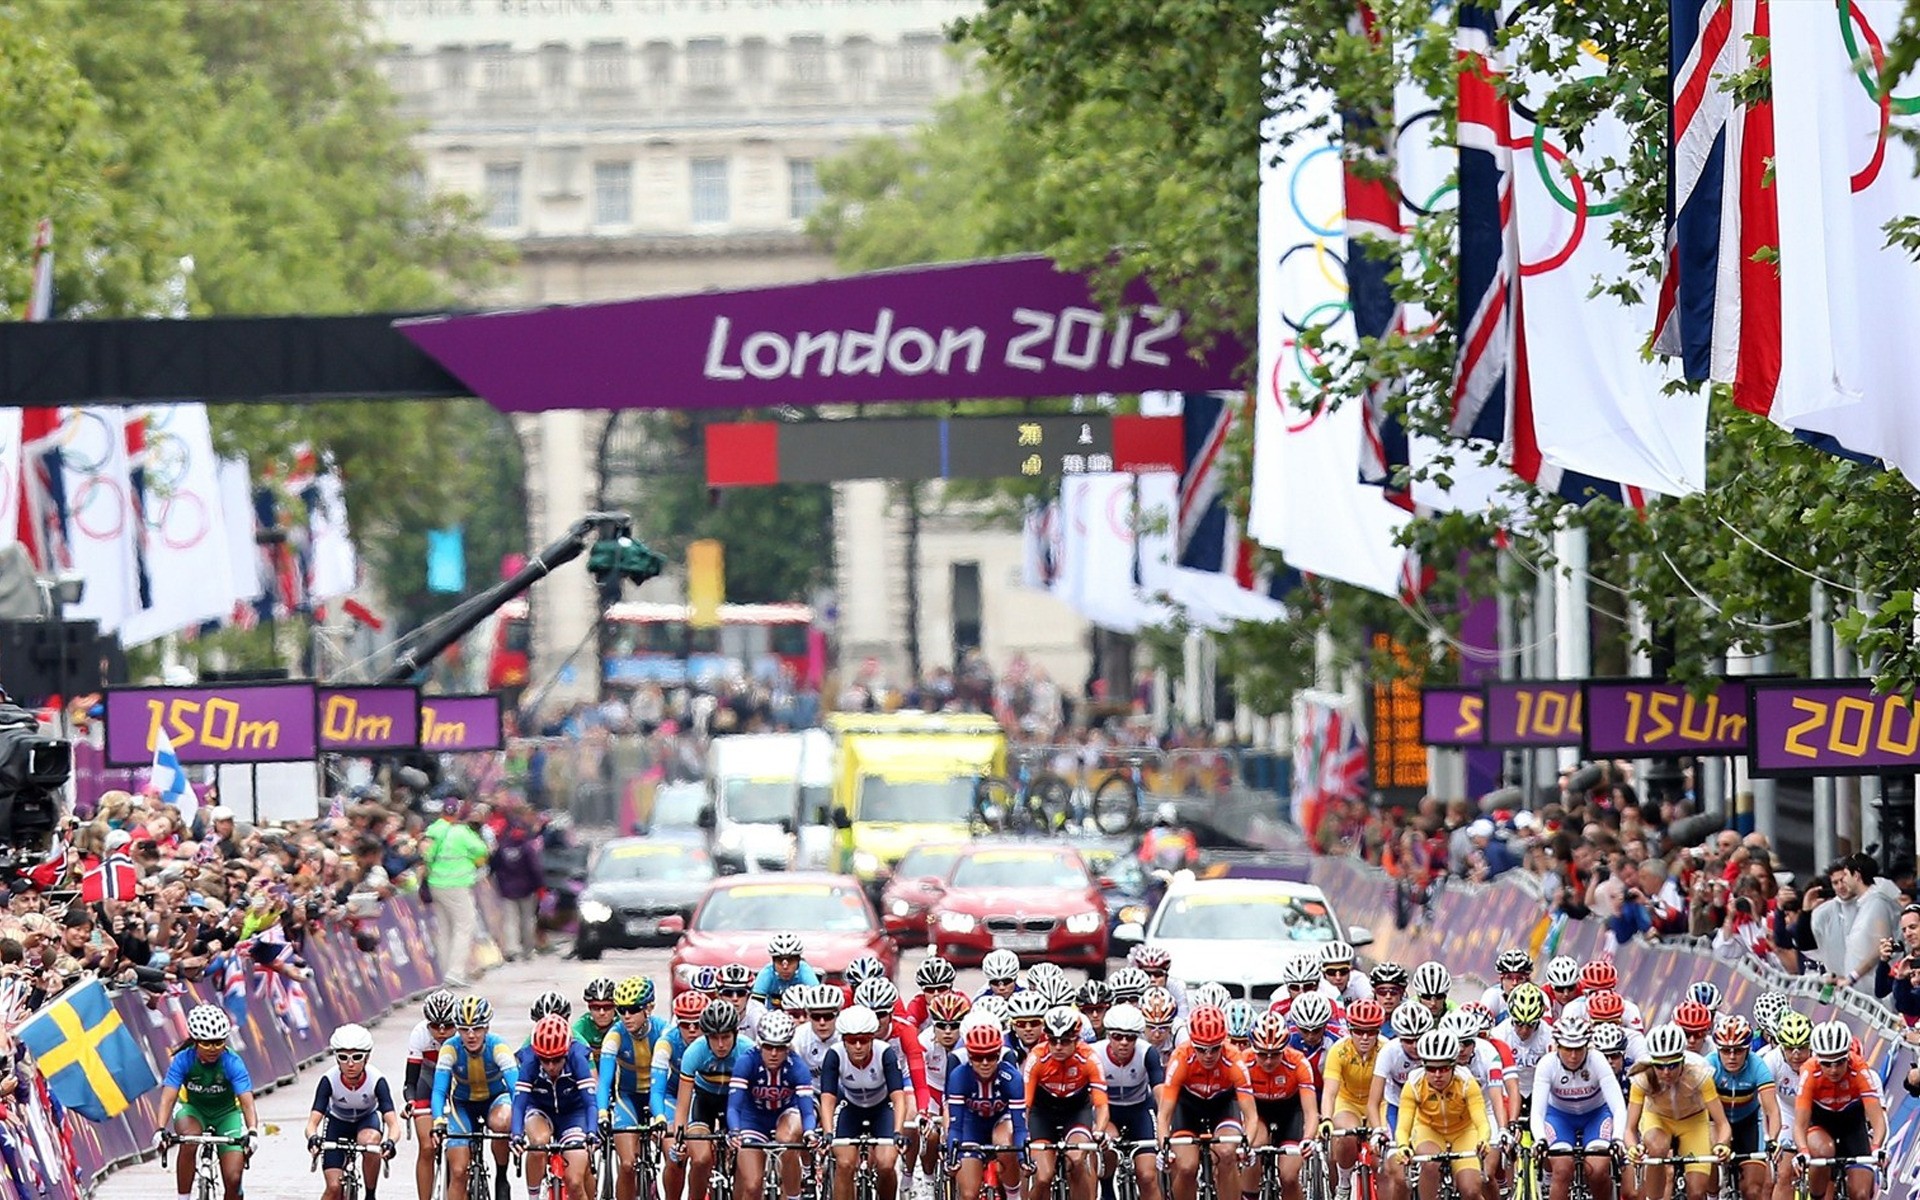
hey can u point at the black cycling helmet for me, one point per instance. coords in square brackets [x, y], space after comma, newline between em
[719, 1019]
[1093, 994]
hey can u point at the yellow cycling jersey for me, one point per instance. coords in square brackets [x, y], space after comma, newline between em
[1687, 1096]
[1447, 1111]
[1351, 1072]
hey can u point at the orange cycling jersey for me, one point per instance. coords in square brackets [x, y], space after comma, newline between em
[1834, 1095]
[1065, 1078]
[1187, 1074]
[1284, 1079]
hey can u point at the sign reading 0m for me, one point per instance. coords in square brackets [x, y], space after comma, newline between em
[1831, 727]
[225, 723]
[453, 724]
[367, 719]
[1629, 718]
[1543, 712]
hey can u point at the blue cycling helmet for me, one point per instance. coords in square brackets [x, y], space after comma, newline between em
[1241, 1016]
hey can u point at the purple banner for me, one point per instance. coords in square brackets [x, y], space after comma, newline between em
[1534, 713]
[234, 723]
[1451, 716]
[449, 724]
[368, 719]
[1831, 727]
[1630, 718]
[1016, 327]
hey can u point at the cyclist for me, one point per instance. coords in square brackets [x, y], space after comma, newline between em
[550, 1004]
[624, 1095]
[554, 1104]
[1674, 1110]
[734, 984]
[1159, 1009]
[1242, 1016]
[1596, 978]
[1133, 1072]
[1433, 987]
[1348, 1073]
[1002, 969]
[1389, 989]
[1608, 1009]
[1167, 846]
[1561, 982]
[986, 1106]
[1747, 1092]
[423, 1047]
[706, 1073]
[1343, 985]
[1093, 1000]
[787, 967]
[663, 1092]
[1207, 1094]
[883, 999]
[1768, 1008]
[1838, 1113]
[473, 1082]
[820, 1034]
[1310, 1016]
[590, 1027]
[1127, 985]
[770, 1099]
[215, 1096]
[1026, 1022]
[1525, 1036]
[1610, 1042]
[1576, 1106]
[1442, 1111]
[1066, 1102]
[1395, 1064]
[352, 1103]
[946, 1013]
[1285, 1094]
[861, 969]
[934, 976]
[1301, 976]
[1696, 1022]
[1514, 967]
[862, 1094]
[1157, 965]
[1485, 1066]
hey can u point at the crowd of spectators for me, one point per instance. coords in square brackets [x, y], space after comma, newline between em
[1597, 851]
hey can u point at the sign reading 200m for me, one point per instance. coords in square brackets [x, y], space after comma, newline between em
[235, 723]
[1832, 727]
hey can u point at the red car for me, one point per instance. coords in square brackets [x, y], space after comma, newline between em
[733, 921]
[1038, 900]
[916, 883]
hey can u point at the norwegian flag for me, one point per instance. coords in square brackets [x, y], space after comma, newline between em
[1373, 225]
[116, 878]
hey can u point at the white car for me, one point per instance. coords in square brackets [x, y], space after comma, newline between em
[1241, 933]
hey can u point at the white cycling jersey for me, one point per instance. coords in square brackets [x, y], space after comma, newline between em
[1127, 1085]
[811, 1049]
[1581, 1089]
[1395, 1066]
[1526, 1052]
[937, 1059]
[1491, 1074]
[1786, 1082]
[1495, 998]
[1577, 1007]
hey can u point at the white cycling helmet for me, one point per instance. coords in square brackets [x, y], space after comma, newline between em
[859, 1022]
[1666, 1044]
[1832, 1040]
[784, 945]
[1334, 953]
[1042, 971]
[351, 1038]
[1304, 968]
[1411, 1019]
[1461, 1024]
[1562, 972]
[878, 994]
[1767, 1007]
[1000, 965]
[1062, 1022]
[1026, 1006]
[775, 1029]
[1609, 1039]
[1208, 995]
[1311, 1011]
[1125, 1018]
[209, 1023]
[995, 1007]
[1439, 1046]
[1431, 978]
[1572, 1032]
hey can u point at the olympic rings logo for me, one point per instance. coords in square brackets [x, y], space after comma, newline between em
[1882, 98]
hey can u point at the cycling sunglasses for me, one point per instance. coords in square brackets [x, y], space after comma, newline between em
[350, 1056]
[1123, 1037]
[946, 1026]
[823, 1015]
[598, 1006]
[736, 993]
[857, 1039]
[211, 1045]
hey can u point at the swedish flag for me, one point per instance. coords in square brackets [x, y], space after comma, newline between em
[93, 1062]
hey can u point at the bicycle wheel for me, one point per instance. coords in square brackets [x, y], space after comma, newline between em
[350, 1183]
[995, 803]
[1116, 805]
[207, 1184]
[1052, 797]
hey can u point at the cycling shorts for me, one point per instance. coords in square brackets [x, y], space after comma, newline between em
[1462, 1142]
[1134, 1123]
[228, 1122]
[1692, 1137]
[1747, 1133]
[1847, 1127]
[760, 1123]
[852, 1120]
[971, 1127]
[1216, 1114]
[568, 1127]
[336, 1130]
[709, 1109]
[1286, 1120]
[630, 1112]
[465, 1116]
[1579, 1130]
[1051, 1120]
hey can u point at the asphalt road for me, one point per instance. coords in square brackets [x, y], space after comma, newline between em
[280, 1169]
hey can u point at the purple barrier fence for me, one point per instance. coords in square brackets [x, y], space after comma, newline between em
[1472, 925]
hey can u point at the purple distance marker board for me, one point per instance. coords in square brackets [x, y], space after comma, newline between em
[1540, 712]
[1001, 328]
[453, 724]
[224, 723]
[1831, 727]
[1645, 718]
[1452, 716]
[369, 719]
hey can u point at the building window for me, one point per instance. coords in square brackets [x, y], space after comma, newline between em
[706, 62]
[803, 188]
[403, 70]
[607, 65]
[711, 204]
[553, 65]
[858, 56]
[612, 193]
[753, 59]
[659, 62]
[966, 608]
[453, 68]
[807, 59]
[499, 68]
[917, 52]
[503, 195]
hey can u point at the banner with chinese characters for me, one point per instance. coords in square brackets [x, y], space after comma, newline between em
[1831, 727]
[1634, 718]
[225, 723]
[1536, 712]
[1453, 716]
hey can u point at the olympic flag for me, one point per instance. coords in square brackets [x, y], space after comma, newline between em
[96, 512]
[183, 524]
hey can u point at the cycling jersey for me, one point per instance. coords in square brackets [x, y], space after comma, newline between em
[938, 1060]
[1454, 1113]
[975, 1105]
[1740, 1090]
[750, 1018]
[664, 1086]
[1358, 988]
[904, 1037]
[811, 1049]
[1074, 1078]
[352, 1104]
[1283, 1078]
[1396, 1066]
[482, 1075]
[1349, 1078]
[214, 1087]
[1134, 1083]
[714, 1074]
[1523, 1054]
[1686, 1097]
[1187, 1074]
[1489, 1071]
[768, 985]
[1834, 1095]
[625, 1065]
[862, 1087]
[565, 1098]
[758, 1094]
[1314, 1056]
[1588, 1090]
[1786, 1076]
[591, 1035]
[1495, 998]
[423, 1050]
[1577, 1007]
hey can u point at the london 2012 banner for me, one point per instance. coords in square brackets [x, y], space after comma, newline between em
[1015, 327]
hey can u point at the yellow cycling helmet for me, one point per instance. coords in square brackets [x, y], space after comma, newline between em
[474, 1011]
[635, 991]
[1793, 1030]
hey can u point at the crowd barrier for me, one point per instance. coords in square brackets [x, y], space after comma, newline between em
[276, 1037]
[1473, 924]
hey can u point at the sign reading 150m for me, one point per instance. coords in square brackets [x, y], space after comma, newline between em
[1832, 727]
[223, 724]
[1629, 717]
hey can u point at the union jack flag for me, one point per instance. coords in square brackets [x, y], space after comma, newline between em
[43, 500]
[1211, 534]
[1330, 758]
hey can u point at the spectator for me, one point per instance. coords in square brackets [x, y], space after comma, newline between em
[518, 878]
[1902, 958]
[220, 826]
[1828, 913]
[1873, 905]
[1489, 856]
[453, 855]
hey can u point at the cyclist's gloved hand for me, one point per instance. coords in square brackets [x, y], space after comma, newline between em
[161, 1137]
[313, 1143]
[387, 1148]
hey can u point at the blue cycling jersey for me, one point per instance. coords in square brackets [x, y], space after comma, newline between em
[975, 1104]
[668, 1052]
[1740, 1090]
[619, 1065]
[768, 985]
[467, 1077]
[568, 1090]
[757, 1094]
[714, 1074]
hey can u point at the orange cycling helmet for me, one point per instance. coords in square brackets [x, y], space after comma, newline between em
[1599, 976]
[984, 1039]
[1693, 1017]
[1159, 1007]
[1207, 1027]
[1366, 1014]
[948, 1006]
[1606, 1006]
[551, 1037]
[1270, 1032]
[687, 1006]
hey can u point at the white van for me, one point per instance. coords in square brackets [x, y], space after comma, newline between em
[761, 787]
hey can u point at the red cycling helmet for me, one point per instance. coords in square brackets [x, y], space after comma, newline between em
[551, 1037]
[1599, 976]
[1693, 1017]
[1606, 1006]
[1207, 1027]
[984, 1039]
[1366, 1014]
[688, 1006]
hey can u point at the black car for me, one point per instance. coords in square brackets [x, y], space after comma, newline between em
[633, 883]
